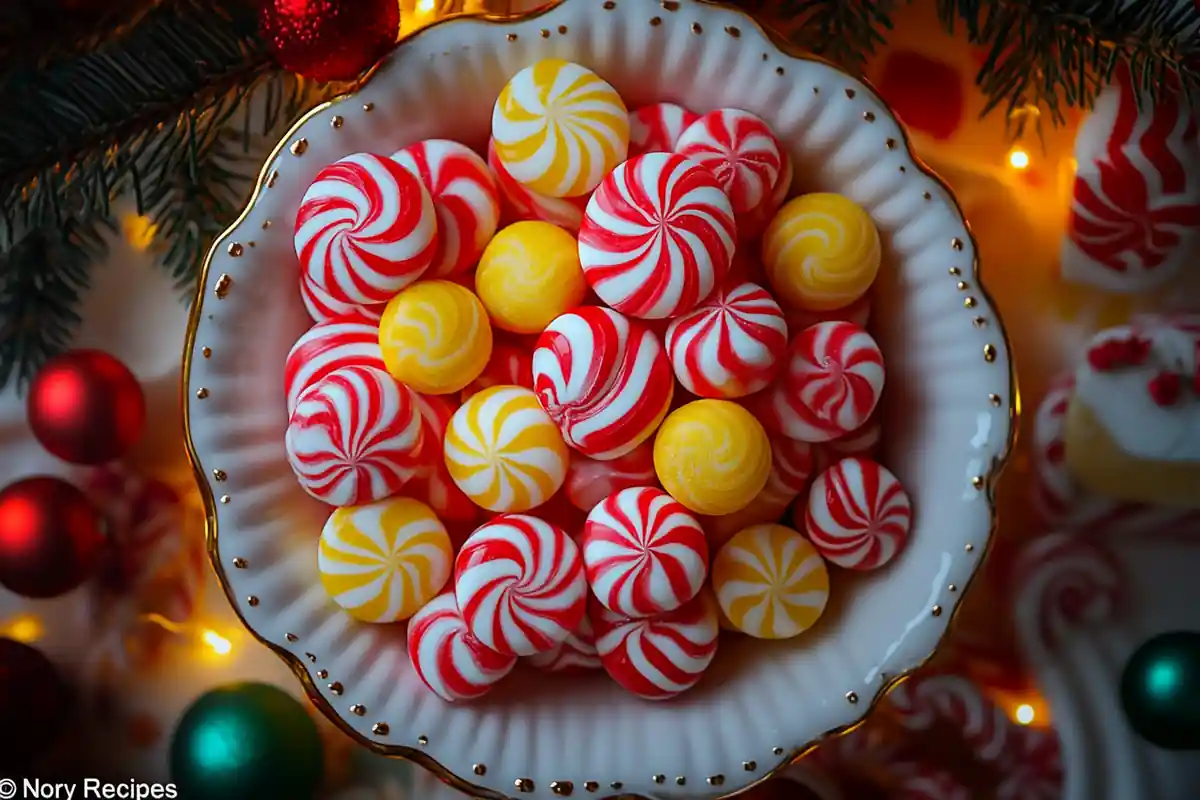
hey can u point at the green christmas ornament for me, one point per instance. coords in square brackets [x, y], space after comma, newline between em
[246, 741]
[1160, 691]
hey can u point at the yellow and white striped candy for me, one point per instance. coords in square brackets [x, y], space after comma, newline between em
[435, 337]
[558, 128]
[503, 450]
[383, 561]
[770, 582]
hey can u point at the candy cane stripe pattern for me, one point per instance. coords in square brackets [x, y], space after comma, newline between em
[433, 485]
[355, 437]
[770, 582]
[575, 654]
[504, 452]
[321, 307]
[383, 561]
[830, 386]
[523, 204]
[858, 515]
[366, 228]
[604, 380]
[465, 200]
[658, 235]
[559, 128]
[590, 481]
[447, 659]
[656, 128]
[328, 346]
[741, 151]
[520, 585]
[658, 657]
[643, 553]
[731, 345]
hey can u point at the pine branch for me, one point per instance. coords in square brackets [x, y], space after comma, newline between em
[845, 31]
[36, 32]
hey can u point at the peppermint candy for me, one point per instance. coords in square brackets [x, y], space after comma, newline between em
[508, 366]
[321, 307]
[447, 659]
[656, 128]
[525, 204]
[858, 312]
[328, 346]
[858, 515]
[590, 481]
[434, 486]
[576, 653]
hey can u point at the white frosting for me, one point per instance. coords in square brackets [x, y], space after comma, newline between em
[1123, 404]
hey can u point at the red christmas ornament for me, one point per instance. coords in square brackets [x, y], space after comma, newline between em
[86, 407]
[34, 705]
[329, 40]
[51, 537]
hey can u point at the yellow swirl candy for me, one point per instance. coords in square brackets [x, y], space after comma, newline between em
[821, 252]
[435, 337]
[712, 456]
[528, 275]
[503, 450]
[770, 582]
[383, 561]
[558, 128]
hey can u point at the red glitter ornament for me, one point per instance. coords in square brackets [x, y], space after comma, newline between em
[35, 705]
[329, 40]
[86, 407]
[51, 537]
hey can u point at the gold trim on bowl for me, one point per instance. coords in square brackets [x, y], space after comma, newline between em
[985, 483]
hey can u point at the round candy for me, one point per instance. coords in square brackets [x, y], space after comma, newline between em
[830, 386]
[366, 228]
[752, 225]
[523, 204]
[354, 437]
[658, 235]
[559, 128]
[574, 654]
[658, 657]
[589, 481]
[465, 199]
[381, 562]
[604, 380]
[656, 128]
[435, 337]
[770, 582]
[327, 346]
[712, 456]
[643, 553]
[504, 451]
[528, 275]
[862, 442]
[792, 464]
[321, 307]
[447, 659]
[731, 345]
[858, 515]
[433, 485]
[742, 152]
[509, 365]
[520, 585]
[858, 312]
[821, 252]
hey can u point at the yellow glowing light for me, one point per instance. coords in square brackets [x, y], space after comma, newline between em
[24, 629]
[1024, 714]
[426, 6]
[216, 642]
[1018, 159]
[139, 231]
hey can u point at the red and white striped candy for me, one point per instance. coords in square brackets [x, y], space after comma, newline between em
[575, 654]
[751, 225]
[590, 481]
[329, 345]
[922, 782]
[743, 153]
[731, 345]
[862, 442]
[355, 437]
[830, 386]
[522, 204]
[858, 515]
[366, 228]
[643, 553]
[509, 365]
[320, 306]
[465, 199]
[447, 659]
[656, 128]
[604, 380]
[658, 235]
[433, 486]
[792, 465]
[858, 312]
[658, 657]
[520, 585]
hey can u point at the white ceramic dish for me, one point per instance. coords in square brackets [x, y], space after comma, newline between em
[949, 412]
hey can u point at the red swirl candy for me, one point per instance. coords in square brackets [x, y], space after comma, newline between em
[657, 237]
[858, 515]
[433, 486]
[659, 657]
[858, 312]
[329, 345]
[604, 380]
[321, 307]
[862, 442]
[355, 437]
[731, 345]
[465, 199]
[366, 228]
[509, 365]
[590, 481]
[523, 204]
[447, 659]
[656, 128]
[575, 654]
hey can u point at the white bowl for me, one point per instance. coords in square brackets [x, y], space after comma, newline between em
[949, 414]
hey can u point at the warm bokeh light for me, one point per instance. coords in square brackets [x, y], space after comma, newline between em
[139, 231]
[1024, 714]
[426, 6]
[25, 629]
[216, 642]
[1018, 158]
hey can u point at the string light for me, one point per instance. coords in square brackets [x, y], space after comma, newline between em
[212, 640]
[1024, 714]
[426, 6]
[25, 629]
[1018, 158]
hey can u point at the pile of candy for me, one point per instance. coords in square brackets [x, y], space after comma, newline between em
[584, 396]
